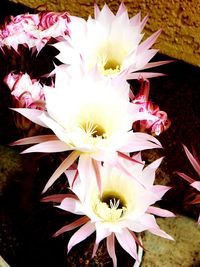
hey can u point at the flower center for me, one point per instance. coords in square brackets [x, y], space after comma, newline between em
[94, 129]
[111, 207]
[112, 64]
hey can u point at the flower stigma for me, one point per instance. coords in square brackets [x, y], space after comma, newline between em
[110, 207]
[93, 129]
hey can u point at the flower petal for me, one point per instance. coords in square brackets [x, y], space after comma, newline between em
[192, 159]
[63, 166]
[160, 212]
[48, 147]
[111, 248]
[32, 115]
[127, 242]
[85, 231]
[72, 225]
[34, 140]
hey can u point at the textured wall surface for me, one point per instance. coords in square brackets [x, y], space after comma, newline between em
[179, 19]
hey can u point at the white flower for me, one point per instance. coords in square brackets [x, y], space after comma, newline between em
[112, 43]
[91, 116]
[124, 207]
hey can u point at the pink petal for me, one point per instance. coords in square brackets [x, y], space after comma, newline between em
[72, 225]
[101, 233]
[127, 242]
[186, 177]
[149, 42]
[86, 173]
[48, 147]
[160, 212]
[121, 9]
[157, 231]
[143, 75]
[54, 198]
[34, 140]
[149, 172]
[193, 161]
[96, 11]
[31, 114]
[160, 190]
[85, 231]
[139, 141]
[196, 185]
[158, 63]
[199, 220]
[111, 248]
[63, 166]
[71, 204]
[143, 22]
[98, 175]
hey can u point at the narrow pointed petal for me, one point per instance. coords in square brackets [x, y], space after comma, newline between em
[144, 75]
[140, 141]
[48, 147]
[160, 190]
[86, 173]
[110, 242]
[186, 177]
[63, 166]
[54, 198]
[143, 22]
[85, 231]
[101, 233]
[160, 212]
[71, 205]
[121, 9]
[193, 161]
[156, 64]
[159, 232]
[196, 185]
[72, 225]
[149, 42]
[196, 200]
[98, 175]
[34, 140]
[198, 220]
[96, 11]
[127, 242]
[149, 172]
[32, 115]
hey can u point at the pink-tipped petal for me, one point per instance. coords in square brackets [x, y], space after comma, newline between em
[31, 114]
[71, 205]
[193, 161]
[72, 225]
[161, 233]
[111, 248]
[149, 42]
[127, 242]
[198, 220]
[196, 185]
[54, 198]
[48, 147]
[156, 64]
[143, 75]
[98, 175]
[160, 190]
[121, 9]
[85, 231]
[63, 166]
[186, 177]
[160, 212]
[139, 141]
[34, 140]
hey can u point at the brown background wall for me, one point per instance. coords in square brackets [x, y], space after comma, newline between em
[179, 19]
